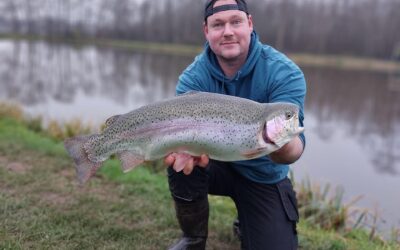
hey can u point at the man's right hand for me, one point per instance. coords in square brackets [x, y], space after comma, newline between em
[185, 162]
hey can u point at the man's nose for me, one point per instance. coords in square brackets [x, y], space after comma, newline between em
[228, 30]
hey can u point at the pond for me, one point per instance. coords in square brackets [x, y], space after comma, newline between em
[352, 117]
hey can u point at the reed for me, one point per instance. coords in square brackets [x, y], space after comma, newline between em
[11, 110]
[53, 128]
[71, 128]
[323, 207]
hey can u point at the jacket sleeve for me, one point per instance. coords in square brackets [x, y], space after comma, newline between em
[189, 81]
[287, 84]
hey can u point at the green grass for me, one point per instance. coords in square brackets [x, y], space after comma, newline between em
[42, 207]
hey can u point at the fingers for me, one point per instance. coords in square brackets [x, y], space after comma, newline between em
[204, 160]
[170, 159]
[185, 162]
[181, 160]
[201, 161]
[187, 170]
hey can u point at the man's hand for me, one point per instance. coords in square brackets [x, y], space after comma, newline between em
[185, 162]
[289, 153]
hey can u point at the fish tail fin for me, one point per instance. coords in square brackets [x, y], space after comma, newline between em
[85, 168]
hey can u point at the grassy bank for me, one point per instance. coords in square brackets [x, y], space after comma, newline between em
[332, 61]
[42, 207]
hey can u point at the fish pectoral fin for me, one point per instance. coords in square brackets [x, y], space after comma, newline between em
[253, 153]
[280, 142]
[130, 160]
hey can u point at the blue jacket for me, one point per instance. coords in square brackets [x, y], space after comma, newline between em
[267, 76]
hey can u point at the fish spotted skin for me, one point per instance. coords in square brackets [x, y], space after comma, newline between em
[226, 128]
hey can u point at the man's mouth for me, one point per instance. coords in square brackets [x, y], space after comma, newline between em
[228, 43]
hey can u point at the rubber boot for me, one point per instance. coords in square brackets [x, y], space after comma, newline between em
[193, 221]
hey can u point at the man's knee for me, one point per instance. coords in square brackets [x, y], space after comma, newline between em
[188, 188]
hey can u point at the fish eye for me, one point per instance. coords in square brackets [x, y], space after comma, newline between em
[288, 115]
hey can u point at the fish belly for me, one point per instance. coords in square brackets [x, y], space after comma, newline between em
[223, 142]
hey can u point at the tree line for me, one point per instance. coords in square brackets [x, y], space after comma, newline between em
[367, 28]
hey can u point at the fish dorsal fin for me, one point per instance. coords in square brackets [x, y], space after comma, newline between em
[190, 92]
[111, 120]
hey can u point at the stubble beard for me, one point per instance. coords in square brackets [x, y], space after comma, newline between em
[229, 59]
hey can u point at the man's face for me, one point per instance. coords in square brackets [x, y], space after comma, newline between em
[228, 33]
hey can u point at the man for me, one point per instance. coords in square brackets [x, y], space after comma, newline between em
[234, 62]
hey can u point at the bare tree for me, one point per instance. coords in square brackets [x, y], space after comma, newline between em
[10, 8]
[356, 27]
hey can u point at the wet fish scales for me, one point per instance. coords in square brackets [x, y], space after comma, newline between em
[224, 127]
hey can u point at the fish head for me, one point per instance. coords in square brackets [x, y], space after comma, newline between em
[281, 124]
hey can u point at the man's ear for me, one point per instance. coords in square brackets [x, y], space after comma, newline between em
[250, 21]
[205, 29]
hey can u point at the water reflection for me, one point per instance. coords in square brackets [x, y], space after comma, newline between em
[38, 73]
[365, 105]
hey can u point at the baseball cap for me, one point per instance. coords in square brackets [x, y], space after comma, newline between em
[210, 10]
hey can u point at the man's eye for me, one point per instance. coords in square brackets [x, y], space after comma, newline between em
[217, 25]
[236, 22]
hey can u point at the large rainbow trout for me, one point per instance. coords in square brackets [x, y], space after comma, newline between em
[225, 128]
